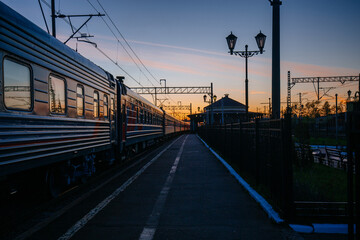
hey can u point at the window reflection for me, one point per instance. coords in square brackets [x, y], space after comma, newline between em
[106, 108]
[112, 106]
[80, 100]
[17, 94]
[96, 104]
[57, 95]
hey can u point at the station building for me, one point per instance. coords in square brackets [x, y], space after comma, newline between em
[224, 111]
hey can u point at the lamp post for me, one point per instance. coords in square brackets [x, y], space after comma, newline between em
[210, 101]
[275, 90]
[336, 117]
[231, 41]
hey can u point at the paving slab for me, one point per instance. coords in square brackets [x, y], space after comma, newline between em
[185, 194]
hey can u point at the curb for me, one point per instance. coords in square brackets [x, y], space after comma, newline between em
[258, 198]
[273, 215]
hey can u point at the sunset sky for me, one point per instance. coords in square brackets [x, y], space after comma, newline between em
[183, 41]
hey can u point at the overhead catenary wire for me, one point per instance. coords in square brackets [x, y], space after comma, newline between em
[42, 12]
[106, 55]
[119, 42]
[101, 51]
[127, 43]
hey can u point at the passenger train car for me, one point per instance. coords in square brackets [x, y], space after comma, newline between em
[61, 112]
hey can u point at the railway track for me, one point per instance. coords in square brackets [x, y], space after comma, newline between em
[27, 212]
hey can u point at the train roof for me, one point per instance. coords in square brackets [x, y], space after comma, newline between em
[138, 97]
[7, 14]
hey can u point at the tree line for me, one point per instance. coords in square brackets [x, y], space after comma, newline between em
[316, 108]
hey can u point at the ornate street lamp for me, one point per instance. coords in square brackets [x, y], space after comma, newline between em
[231, 41]
[349, 95]
[260, 40]
[210, 101]
[214, 98]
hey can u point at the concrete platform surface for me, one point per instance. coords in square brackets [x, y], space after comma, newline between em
[186, 193]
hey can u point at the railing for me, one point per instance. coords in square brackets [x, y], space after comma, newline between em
[263, 153]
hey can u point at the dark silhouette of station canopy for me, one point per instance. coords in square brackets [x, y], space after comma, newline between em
[228, 104]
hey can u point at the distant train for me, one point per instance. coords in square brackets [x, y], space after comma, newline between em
[61, 112]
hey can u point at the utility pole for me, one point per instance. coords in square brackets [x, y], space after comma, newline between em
[336, 117]
[275, 91]
[270, 107]
[211, 102]
[300, 106]
[53, 16]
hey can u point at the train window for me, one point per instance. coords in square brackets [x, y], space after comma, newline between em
[137, 114]
[141, 116]
[17, 85]
[123, 114]
[80, 100]
[57, 94]
[106, 107]
[96, 104]
[112, 107]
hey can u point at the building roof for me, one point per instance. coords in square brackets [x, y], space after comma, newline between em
[227, 103]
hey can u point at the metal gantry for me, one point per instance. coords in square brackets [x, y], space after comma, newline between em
[178, 108]
[173, 90]
[316, 81]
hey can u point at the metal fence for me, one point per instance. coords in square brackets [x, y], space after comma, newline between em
[353, 159]
[261, 152]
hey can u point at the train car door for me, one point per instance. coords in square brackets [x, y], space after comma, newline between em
[119, 115]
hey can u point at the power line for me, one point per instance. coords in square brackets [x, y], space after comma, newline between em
[107, 56]
[102, 52]
[127, 42]
[118, 41]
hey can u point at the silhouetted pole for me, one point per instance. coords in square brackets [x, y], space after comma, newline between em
[300, 107]
[211, 102]
[276, 59]
[336, 117]
[246, 84]
[231, 41]
[155, 97]
[53, 18]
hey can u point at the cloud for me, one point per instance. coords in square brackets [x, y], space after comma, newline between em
[311, 70]
[258, 92]
[178, 48]
[171, 67]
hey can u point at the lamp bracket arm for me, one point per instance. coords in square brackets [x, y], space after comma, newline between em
[246, 54]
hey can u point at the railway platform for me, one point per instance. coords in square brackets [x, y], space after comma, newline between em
[182, 192]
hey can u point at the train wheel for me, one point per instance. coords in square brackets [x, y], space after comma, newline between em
[57, 180]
